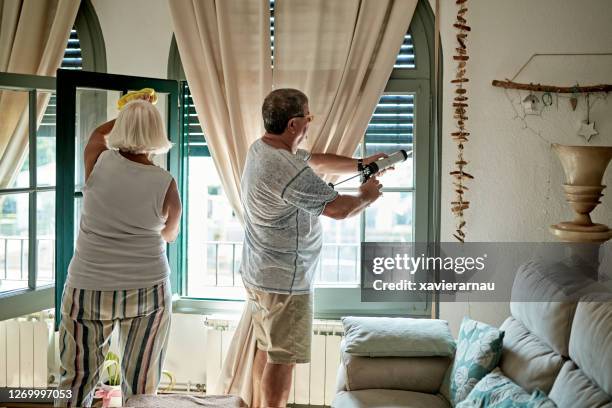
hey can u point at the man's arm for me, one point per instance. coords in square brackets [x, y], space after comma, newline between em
[345, 205]
[327, 163]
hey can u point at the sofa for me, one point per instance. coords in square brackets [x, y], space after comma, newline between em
[563, 348]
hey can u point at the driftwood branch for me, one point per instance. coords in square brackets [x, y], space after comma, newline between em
[555, 89]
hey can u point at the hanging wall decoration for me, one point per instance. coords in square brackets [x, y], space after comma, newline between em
[587, 128]
[460, 108]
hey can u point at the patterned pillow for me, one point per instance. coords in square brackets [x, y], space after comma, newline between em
[479, 349]
[498, 391]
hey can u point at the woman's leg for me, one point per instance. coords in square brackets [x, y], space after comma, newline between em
[83, 343]
[143, 340]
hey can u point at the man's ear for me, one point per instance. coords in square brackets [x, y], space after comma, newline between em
[291, 128]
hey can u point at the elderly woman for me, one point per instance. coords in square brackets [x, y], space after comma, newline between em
[119, 272]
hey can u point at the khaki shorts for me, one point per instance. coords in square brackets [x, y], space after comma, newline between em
[282, 325]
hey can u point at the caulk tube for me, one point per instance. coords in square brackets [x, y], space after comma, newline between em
[389, 161]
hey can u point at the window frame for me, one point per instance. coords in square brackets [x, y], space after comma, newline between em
[20, 302]
[427, 141]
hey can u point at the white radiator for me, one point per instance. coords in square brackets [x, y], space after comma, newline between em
[23, 353]
[313, 383]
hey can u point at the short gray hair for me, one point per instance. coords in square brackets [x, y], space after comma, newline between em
[280, 106]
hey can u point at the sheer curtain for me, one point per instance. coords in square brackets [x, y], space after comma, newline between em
[33, 37]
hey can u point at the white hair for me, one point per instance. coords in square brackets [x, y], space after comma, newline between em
[139, 129]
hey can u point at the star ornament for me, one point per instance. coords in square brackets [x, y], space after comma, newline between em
[587, 130]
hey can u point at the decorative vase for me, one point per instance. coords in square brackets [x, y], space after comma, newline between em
[584, 168]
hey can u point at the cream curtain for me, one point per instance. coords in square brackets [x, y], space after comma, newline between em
[225, 51]
[33, 37]
[340, 53]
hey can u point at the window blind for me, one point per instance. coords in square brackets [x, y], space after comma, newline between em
[73, 59]
[392, 125]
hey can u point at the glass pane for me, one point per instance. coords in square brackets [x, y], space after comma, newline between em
[46, 143]
[45, 214]
[389, 219]
[93, 107]
[14, 221]
[215, 235]
[339, 261]
[14, 129]
[391, 128]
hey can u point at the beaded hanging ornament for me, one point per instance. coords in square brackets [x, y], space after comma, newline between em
[461, 134]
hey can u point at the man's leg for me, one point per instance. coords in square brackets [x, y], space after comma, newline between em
[276, 384]
[261, 357]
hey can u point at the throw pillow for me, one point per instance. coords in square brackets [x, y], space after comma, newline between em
[479, 348]
[496, 390]
[397, 337]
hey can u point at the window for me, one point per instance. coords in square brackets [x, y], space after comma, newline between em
[27, 197]
[401, 120]
[15, 217]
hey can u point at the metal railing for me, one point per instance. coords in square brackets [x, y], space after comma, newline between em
[338, 263]
[14, 258]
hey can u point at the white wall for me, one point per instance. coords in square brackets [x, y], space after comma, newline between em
[517, 192]
[137, 34]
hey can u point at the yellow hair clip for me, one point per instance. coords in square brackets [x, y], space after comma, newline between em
[133, 95]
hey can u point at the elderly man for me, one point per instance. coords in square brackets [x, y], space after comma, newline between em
[282, 198]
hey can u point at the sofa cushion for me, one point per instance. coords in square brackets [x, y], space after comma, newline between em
[572, 389]
[496, 390]
[388, 399]
[526, 359]
[479, 349]
[422, 374]
[397, 337]
[591, 341]
[532, 291]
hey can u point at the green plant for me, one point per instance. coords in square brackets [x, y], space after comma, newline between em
[112, 366]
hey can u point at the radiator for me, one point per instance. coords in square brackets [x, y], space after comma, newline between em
[23, 353]
[313, 383]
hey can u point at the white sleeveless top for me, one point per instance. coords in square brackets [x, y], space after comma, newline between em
[119, 245]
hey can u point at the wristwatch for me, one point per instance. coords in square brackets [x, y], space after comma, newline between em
[360, 165]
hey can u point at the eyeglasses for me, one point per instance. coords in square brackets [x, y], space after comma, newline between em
[309, 117]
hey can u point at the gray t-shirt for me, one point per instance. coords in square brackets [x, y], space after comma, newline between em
[282, 199]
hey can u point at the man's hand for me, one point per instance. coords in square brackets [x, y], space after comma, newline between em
[345, 206]
[371, 190]
[373, 158]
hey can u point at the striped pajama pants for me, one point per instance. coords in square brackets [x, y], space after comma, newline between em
[88, 319]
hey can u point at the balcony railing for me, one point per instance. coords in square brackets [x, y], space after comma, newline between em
[14, 261]
[338, 264]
